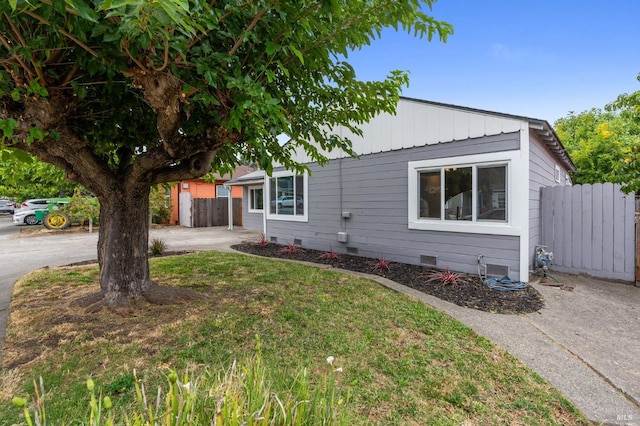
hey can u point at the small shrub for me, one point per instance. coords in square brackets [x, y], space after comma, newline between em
[447, 277]
[380, 265]
[330, 255]
[158, 247]
[262, 241]
[291, 248]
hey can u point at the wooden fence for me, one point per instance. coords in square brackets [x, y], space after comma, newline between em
[207, 212]
[590, 229]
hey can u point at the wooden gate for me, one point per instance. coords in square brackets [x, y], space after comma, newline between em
[590, 229]
[206, 212]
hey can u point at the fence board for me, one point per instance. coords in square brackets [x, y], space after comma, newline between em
[587, 228]
[591, 229]
[596, 242]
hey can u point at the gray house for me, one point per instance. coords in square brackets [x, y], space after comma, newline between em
[437, 185]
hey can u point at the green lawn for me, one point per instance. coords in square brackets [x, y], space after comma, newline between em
[402, 362]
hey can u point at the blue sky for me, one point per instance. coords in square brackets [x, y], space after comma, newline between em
[539, 59]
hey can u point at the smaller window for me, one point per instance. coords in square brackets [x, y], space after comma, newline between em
[256, 199]
[222, 191]
[557, 174]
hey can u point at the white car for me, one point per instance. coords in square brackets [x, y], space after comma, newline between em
[26, 216]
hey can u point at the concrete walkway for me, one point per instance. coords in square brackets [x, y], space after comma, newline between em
[585, 342]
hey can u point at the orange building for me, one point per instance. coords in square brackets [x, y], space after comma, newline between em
[201, 189]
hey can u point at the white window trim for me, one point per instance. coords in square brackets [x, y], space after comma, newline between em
[517, 196]
[557, 174]
[249, 189]
[286, 218]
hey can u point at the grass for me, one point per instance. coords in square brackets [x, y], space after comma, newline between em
[403, 362]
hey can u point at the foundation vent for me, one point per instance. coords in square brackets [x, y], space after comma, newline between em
[297, 241]
[429, 260]
[274, 239]
[352, 250]
[497, 270]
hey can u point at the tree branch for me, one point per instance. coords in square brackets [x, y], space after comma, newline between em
[193, 167]
[253, 23]
[7, 45]
[63, 32]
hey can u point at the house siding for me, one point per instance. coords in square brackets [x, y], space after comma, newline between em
[374, 190]
[542, 166]
[250, 220]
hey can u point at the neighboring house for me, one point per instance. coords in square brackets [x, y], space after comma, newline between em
[438, 185]
[201, 189]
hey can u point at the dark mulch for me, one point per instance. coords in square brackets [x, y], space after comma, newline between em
[472, 294]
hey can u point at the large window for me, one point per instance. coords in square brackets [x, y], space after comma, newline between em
[287, 196]
[450, 193]
[256, 198]
[480, 194]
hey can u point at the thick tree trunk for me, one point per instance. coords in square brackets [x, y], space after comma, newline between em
[123, 256]
[123, 247]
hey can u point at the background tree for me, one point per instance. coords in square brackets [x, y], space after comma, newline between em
[598, 143]
[23, 177]
[123, 95]
[627, 171]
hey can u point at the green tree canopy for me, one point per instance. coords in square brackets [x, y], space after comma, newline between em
[597, 142]
[23, 177]
[126, 94]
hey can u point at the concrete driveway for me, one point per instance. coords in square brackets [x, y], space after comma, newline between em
[585, 342]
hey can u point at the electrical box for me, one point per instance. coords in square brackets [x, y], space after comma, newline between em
[346, 215]
[342, 237]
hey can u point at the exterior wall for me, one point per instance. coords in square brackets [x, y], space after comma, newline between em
[542, 169]
[374, 189]
[250, 220]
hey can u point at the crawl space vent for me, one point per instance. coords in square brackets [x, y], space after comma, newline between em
[429, 260]
[497, 270]
[274, 239]
[352, 250]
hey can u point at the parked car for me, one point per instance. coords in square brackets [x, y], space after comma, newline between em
[287, 201]
[25, 216]
[7, 206]
[35, 203]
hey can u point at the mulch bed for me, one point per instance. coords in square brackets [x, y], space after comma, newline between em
[471, 294]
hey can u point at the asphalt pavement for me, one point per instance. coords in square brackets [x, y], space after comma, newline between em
[585, 342]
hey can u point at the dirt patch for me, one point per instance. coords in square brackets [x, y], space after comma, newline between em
[471, 294]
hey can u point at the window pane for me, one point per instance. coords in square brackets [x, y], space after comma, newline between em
[430, 195]
[299, 196]
[222, 191]
[259, 199]
[285, 195]
[255, 199]
[492, 194]
[458, 193]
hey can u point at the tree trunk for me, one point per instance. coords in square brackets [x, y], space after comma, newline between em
[123, 256]
[123, 247]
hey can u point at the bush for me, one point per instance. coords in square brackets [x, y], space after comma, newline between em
[158, 247]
